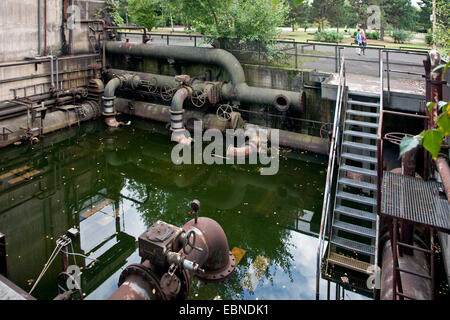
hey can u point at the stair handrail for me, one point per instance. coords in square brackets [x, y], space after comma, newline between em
[379, 170]
[330, 171]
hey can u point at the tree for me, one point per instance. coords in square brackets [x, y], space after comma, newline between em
[320, 11]
[338, 13]
[143, 13]
[300, 13]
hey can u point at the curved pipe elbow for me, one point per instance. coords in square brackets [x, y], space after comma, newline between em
[249, 149]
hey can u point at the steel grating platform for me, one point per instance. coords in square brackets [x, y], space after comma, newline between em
[412, 199]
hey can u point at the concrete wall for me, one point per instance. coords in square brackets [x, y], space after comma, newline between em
[22, 26]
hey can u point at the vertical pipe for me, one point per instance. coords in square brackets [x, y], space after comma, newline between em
[57, 74]
[45, 27]
[394, 259]
[39, 26]
[296, 56]
[167, 39]
[432, 262]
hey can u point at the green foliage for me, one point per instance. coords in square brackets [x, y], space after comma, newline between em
[249, 21]
[373, 35]
[300, 13]
[442, 35]
[143, 13]
[110, 13]
[401, 36]
[330, 36]
[429, 38]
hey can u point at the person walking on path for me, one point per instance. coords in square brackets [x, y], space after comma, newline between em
[363, 42]
[358, 41]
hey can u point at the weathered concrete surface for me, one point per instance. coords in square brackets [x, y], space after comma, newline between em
[19, 27]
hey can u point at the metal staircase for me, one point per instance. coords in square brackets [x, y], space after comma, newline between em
[352, 229]
[354, 225]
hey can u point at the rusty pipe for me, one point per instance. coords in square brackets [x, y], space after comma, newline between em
[248, 149]
[45, 27]
[161, 113]
[176, 116]
[135, 285]
[444, 171]
[236, 90]
[109, 111]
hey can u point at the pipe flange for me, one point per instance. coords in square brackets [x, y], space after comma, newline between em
[112, 114]
[221, 274]
[147, 275]
[175, 112]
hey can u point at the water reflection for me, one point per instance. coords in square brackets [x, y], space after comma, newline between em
[113, 185]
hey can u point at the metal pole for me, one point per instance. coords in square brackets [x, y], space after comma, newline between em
[432, 262]
[296, 56]
[167, 39]
[388, 78]
[336, 59]
[195, 41]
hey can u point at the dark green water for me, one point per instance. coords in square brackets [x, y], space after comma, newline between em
[275, 217]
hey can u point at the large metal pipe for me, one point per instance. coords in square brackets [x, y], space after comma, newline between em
[53, 121]
[444, 171]
[238, 90]
[416, 287]
[109, 97]
[161, 113]
[176, 116]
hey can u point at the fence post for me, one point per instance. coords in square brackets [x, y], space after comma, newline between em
[167, 39]
[195, 41]
[296, 56]
[388, 78]
[336, 59]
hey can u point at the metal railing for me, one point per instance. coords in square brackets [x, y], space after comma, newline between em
[298, 49]
[379, 165]
[330, 172]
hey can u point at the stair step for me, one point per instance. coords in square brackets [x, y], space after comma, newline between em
[355, 213]
[364, 94]
[367, 172]
[353, 245]
[363, 103]
[350, 263]
[362, 124]
[355, 229]
[358, 184]
[362, 146]
[356, 198]
[360, 158]
[360, 134]
[363, 114]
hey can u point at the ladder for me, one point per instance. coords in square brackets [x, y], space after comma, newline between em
[354, 225]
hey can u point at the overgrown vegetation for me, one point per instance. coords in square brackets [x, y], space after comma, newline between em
[401, 36]
[330, 36]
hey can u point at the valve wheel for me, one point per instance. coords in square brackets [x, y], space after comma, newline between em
[151, 85]
[198, 99]
[189, 240]
[224, 112]
[167, 93]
